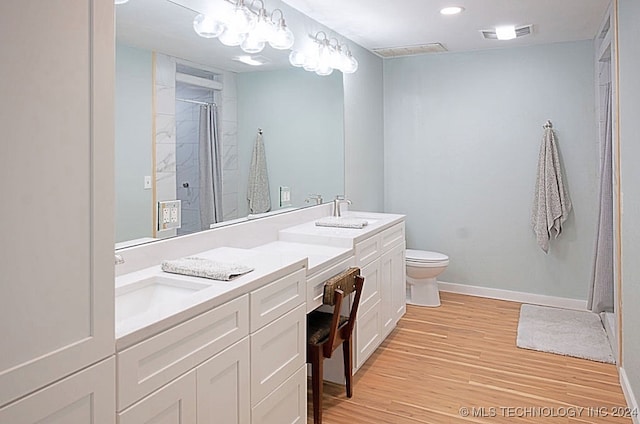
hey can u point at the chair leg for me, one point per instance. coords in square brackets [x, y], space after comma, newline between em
[348, 364]
[316, 382]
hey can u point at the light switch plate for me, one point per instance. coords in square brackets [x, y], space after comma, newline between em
[285, 196]
[169, 214]
[147, 182]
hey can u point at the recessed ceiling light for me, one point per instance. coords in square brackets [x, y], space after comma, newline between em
[452, 10]
[249, 60]
[507, 32]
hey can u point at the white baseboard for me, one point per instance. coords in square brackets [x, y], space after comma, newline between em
[514, 296]
[632, 403]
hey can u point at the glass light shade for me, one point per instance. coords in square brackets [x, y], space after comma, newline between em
[241, 19]
[310, 63]
[350, 64]
[324, 70]
[335, 58]
[207, 27]
[231, 38]
[297, 58]
[282, 38]
[251, 44]
[264, 28]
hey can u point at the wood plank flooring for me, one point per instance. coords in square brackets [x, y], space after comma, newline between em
[463, 355]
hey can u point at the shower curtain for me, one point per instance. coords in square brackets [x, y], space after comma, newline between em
[601, 290]
[210, 165]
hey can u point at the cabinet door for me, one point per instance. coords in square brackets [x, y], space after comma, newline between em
[223, 387]
[277, 351]
[398, 282]
[85, 397]
[371, 289]
[285, 405]
[56, 167]
[387, 314]
[367, 335]
[392, 287]
[174, 403]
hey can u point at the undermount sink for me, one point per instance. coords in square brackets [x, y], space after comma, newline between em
[151, 293]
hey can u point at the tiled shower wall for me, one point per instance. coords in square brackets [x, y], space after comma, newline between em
[228, 114]
[177, 129]
[165, 133]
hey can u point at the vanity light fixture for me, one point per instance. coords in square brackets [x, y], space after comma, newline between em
[249, 27]
[451, 10]
[506, 32]
[324, 56]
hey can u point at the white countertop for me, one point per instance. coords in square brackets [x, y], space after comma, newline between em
[301, 246]
[310, 233]
[319, 256]
[268, 267]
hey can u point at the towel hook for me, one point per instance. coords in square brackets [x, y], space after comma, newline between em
[547, 125]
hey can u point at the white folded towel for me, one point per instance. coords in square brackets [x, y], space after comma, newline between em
[340, 222]
[201, 267]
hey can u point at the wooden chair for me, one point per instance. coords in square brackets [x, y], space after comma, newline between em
[326, 331]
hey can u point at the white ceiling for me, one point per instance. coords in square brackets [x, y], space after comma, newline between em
[397, 23]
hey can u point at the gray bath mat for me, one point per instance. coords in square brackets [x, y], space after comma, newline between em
[563, 331]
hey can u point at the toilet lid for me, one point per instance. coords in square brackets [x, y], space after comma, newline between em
[425, 256]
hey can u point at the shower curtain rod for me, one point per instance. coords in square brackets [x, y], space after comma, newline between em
[197, 102]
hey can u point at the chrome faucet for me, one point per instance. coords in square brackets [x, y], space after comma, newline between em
[119, 259]
[314, 198]
[337, 202]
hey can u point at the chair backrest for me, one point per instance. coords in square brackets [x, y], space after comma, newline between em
[345, 281]
[335, 290]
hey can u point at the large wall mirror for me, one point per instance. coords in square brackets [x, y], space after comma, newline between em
[188, 119]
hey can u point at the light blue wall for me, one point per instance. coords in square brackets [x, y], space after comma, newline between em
[364, 133]
[462, 135]
[629, 124]
[133, 142]
[301, 115]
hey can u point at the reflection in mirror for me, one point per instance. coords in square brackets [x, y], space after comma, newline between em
[187, 121]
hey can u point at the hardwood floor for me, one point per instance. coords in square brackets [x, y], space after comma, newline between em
[463, 355]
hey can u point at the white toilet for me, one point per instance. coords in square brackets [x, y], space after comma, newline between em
[422, 269]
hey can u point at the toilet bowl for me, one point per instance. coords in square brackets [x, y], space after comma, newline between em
[422, 269]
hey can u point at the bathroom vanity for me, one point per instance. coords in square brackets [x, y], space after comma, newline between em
[235, 352]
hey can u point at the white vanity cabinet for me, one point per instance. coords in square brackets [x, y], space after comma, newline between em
[238, 363]
[278, 351]
[383, 301]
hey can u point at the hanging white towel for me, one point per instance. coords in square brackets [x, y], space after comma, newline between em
[551, 204]
[258, 190]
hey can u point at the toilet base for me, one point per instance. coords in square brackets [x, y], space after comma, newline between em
[423, 292]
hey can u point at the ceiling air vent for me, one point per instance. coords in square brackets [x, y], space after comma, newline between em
[490, 34]
[410, 50]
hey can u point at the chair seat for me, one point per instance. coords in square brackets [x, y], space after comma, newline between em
[319, 326]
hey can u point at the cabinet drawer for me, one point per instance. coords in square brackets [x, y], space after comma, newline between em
[315, 285]
[392, 236]
[371, 288]
[368, 335]
[156, 361]
[277, 298]
[88, 396]
[287, 404]
[277, 351]
[175, 403]
[367, 251]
